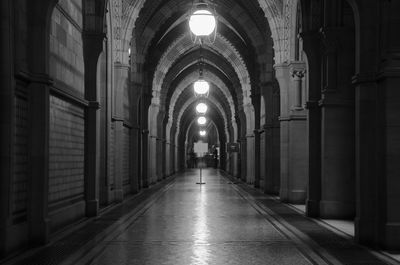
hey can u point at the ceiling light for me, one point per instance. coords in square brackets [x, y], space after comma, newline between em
[201, 87]
[202, 120]
[202, 23]
[201, 108]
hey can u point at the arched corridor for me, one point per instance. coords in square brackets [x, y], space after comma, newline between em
[99, 128]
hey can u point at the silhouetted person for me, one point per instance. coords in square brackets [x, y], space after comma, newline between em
[215, 153]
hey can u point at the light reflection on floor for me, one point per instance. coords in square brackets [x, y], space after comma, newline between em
[201, 233]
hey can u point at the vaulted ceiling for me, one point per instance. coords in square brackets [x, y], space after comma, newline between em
[167, 60]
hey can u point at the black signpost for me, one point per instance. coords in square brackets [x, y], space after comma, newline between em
[200, 149]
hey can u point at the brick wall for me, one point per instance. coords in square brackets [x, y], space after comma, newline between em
[66, 49]
[66, 154]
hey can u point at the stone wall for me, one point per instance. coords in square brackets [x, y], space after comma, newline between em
[66, 184]
[67, 150]
[66, 49]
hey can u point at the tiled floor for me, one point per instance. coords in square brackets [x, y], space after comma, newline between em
[216, 223]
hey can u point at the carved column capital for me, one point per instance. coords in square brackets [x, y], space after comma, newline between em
[298, 74]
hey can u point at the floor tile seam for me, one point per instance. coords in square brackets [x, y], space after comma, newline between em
[58, 237]
[382, 257]
[194, 241]
[115, 229]
[312, 251]
[379, 254]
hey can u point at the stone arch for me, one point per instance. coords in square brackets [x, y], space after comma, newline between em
[183, 44]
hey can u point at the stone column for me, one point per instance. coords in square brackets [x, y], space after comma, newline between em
[145, 103]
[6, 114]
[389, 129]
[39, 90]
[298, 80]
[168, 160]
[159, 149]
[163, 157]
[312, 46]
[135, 138]
[144, 159]
[256, 100]
[250, 156]
[38, 213]
[93, 47]
[249, 141]
[257, 159]
[234, 161]
[294, 152]
[135, 168]
[152, 163]
[121, 77]
[176, 158]
[272, 138]
[337, 126]
[243, 158]
[368, 133]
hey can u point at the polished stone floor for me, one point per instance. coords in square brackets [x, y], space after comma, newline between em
[179, 222]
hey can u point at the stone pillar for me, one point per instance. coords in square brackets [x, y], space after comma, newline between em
[250, 156]
[6, 120]
[257, 159]
[159, 168]
[256, 100]
[234, 163]
[121, 77]
[135, 168]
[167, 158]
[337, 126]
[153, 142]
[135, 138]
[250, 163]
[176, 158]
[243, 158]
[388, 145]
[145, 103]
[294, 152]
[152, 163]
[272, 138]
[311, 45]
[298, 80]
[93, 46]
[369, 152]
[389, 87]
[163, 156]
[145, 158]
[38, 213]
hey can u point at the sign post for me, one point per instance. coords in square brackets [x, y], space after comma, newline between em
[200, 149]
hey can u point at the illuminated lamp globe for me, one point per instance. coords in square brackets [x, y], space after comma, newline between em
[202, 23]
[201, 87]
[201, 108]
[201, 120]
[202, 133]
